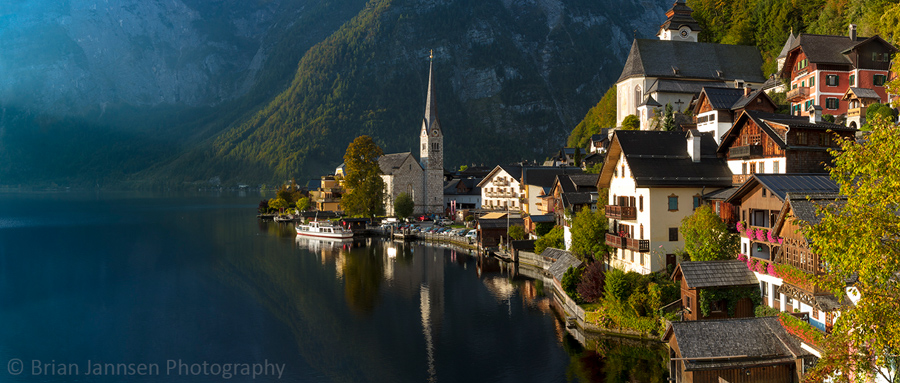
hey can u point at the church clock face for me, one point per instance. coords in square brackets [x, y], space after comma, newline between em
[684, 31]
[434, 132]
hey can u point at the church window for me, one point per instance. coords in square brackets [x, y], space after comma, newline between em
[638, 97]
[435, 146]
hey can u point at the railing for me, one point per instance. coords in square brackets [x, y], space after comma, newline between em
[745, 151]
[621, 212]
[855, 112]
[740, 178]
[615, 241]
[501, 182]
[639, 245]
[797, 94]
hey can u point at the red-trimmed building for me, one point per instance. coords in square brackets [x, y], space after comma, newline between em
[819, 69]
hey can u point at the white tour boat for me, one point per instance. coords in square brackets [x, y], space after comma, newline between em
[324, 230]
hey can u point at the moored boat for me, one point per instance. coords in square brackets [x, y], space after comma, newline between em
[323, 229]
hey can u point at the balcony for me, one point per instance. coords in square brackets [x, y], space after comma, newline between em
[738, 179]
[797, 94]
[856, 112]
[615, 241]
[745, 151]
[621, 212]
[639, 245]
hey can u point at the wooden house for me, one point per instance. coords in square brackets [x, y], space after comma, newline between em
[859, 99]
[716, 107]
[493, 228]
[741, 350]
[572, 192]
[696, 277]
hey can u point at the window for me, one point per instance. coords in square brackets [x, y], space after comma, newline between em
[775, 166]
[753, 168]
[642, 258]
[623, 170]
[641, 203]
[642, 233]
[435, 146]
[744, 168]
[764, 192]
[812, 81]
[764, 287]
[673, 234]
[638, 96]
[878, 80]
[852, 80]
[762, 167]
[831, 103]
[808, 105]
[614, 200]
[687, 302]
[826, 139]
[801, 138]
[788, 300]
[831, 80]
[803, 84]
[696, 201]
[881, 57]
[815, 314]
[673, 203]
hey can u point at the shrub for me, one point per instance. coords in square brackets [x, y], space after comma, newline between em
[592, 282]
[570, 281]
[616, 286]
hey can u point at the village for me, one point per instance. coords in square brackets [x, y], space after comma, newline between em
[689, 221]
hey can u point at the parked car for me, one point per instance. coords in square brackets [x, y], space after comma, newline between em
[472, 234]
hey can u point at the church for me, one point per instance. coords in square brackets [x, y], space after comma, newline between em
[423, 180]
[675, 67]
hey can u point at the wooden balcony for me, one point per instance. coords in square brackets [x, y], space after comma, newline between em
[745, 151]
[621, 212]
[856, 112]
[615, 241]
[738, 179]
[639, 245]
[797, 94]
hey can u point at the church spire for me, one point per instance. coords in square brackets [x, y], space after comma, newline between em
[431, 118]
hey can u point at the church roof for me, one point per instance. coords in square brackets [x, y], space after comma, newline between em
[680, 15]
[690, 60]
[431, 120]
[391, 162]
[649, 101]
[788, 45]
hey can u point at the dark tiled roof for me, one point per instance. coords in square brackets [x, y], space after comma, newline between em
[751, 341]
[721, 194]
[500, 223]
[578, 198]
[782, 184]
[825, 49]
[593, 158]
[603, 136]
[543, 218]
[546, 176]
[450, 188]
[723, 98]
[389, 162]
[681, 16]
[656, 58]
[584, 180]
[717, 274]
[650, 101]
[863, 93]
[804, 205]
[768, 122]
[787, 45]
[681, 86]
[661, 159]
[744, 101]
[564, 260]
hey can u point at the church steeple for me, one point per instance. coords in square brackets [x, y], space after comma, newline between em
[679, 25]
[431, 121]
[432, 153]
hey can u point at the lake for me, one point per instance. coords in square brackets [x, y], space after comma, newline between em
[190, 287]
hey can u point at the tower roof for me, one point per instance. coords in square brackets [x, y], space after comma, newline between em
[430, 120]
[680, 15]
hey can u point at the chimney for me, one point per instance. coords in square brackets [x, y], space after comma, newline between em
[693, 145]
[747, 90]
[852, 32]
[815, 115]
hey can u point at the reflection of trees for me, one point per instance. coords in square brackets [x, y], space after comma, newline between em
[362, 270]
[613, 359]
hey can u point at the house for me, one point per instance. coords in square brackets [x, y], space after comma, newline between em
[571, 193]
[716, 107]
[537, 182]
[662, 175]
[760, 142]
[325, 194]
[734, 350]
[674, 68]
[462, 194]
[858, 100]
[501, 188]
[493, 228]
[533, 220]
[730, 214]
[599, 142]
[820, 68]
[696, 278]
[401, 173]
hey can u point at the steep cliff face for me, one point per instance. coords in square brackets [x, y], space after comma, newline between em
[513, 77]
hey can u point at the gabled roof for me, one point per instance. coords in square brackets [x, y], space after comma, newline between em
[573, 199]
[704, 274]
[542, 218]
[780, 185]
[745, 100]
[721, 194]
[649, 101]
[452, 186]
[680, 86]
[747, 341]
[720, 97]
[661, 159]
[860, 41]
[787, 45]
[564, 260]
[545, 176]
[499, 223]
[824, 49]
[774, 125]
[804, 207]
[390, 162]
[656, 58]
[602, 136]
[680, 15]
[515, 171]
[861, 93]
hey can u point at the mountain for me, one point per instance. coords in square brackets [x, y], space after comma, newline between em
[173, 91]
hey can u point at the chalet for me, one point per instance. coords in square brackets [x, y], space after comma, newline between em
[402, 174]
[674, 68]
[734, 350]
[760, 142]
[493, 228]
[858, 100]
[571, 193]
[715, 108]
[820, 69]
[599, 142]
[462, 194]
[537, 182]
[658, 174]
[533, 220]
[696, 278]
[501, 188]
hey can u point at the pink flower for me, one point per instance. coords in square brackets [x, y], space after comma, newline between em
[760, 268]
[760, 235]
[780, 240]
[771, 270]
[742, 257]
[740, 227]
[770, 237]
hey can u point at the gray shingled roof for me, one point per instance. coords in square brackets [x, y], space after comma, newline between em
[825, 49]
[681, 16]
[499, 223]
[721, 194]
[864, 93]
[782, 184]
[389, 162]
[681, 86]
[804, 205]
[656, 58]
[723, 98]
[649, 101]
[702, 274]
[767, 122]
[661, 159]
[788, 45]
[751, 341]
[564, 260]
[546, 176]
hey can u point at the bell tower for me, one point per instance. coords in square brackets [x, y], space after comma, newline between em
[431, 153]
[679, 25]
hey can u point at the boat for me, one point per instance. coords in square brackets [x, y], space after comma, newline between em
[323, 229]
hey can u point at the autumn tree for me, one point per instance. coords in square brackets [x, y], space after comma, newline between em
[631, 122]
[303, 203]
[706, 238]
[859, 239]
[362, 179]
[592, 286]
[404, 205]
[588, 235]
[553, 238]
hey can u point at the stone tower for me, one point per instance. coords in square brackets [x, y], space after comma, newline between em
[432, 151]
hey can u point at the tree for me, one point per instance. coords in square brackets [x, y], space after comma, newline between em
[463, 168]
[542, 228]
[517, 232]
[404, 205]
[554, 239]
[592, 283]
[263, 207]
[362, 180]
[278, 204]
[706, 238]
[588, 232]
[631, 122]
[668, 121]
[578, 157]
[877, 111]
[569, 283]
[859, 238]
[602, 115]
[303, 203]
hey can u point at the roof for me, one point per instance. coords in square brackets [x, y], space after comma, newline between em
[774, 126]
[692, 60]
[578, 198]
[782, 184]
[602, 136]
[825, 49]
[722, 98]
[749, 341]
[703, 274]
[514, 171]
[680, 86]
[804, 206]
[787, 45]
[661, 159]
[745, 100]
[450, 188]
[564, 260]
[543, 218]
[389, 162]
[861, 93]
[681, 16]
[499, 223]
[546, 176]
[721, 194]
[493, 216]
[649, 101]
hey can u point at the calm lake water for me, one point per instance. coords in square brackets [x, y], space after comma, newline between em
[193, 288]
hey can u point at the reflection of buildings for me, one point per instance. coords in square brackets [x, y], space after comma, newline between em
[326, 250]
